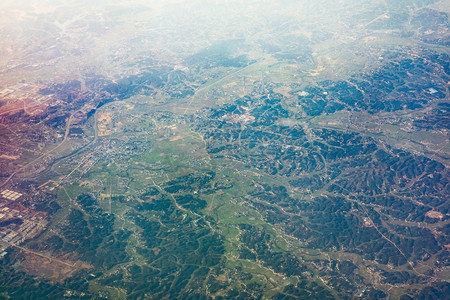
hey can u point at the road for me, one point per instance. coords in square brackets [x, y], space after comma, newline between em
[66, 134]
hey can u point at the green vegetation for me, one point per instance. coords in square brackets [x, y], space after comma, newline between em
[307, 165]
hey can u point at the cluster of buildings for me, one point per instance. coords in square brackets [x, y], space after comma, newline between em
[17, 223]
[26, 97]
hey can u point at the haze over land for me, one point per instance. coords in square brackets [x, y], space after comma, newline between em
[224, 150]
